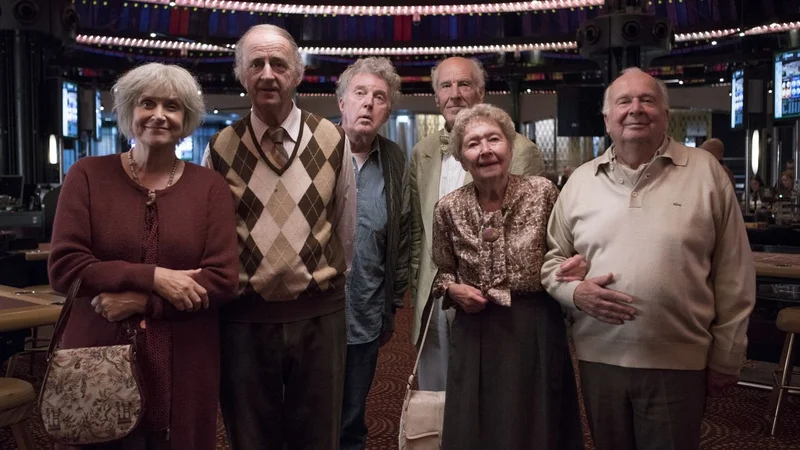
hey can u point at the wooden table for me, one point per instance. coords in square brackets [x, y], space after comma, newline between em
[38, 254]
[785, 266]
[29, 307]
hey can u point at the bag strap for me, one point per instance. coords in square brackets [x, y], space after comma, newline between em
[55, 341]
[422, 344]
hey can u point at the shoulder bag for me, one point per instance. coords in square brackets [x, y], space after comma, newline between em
[90, 395]
[423, 411]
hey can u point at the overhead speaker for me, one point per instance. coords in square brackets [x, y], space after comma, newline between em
[26, 12]
[55, 18]
[623, 30]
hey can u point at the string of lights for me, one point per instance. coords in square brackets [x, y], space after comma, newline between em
[422, 10]
[355, 51]
[415, 51]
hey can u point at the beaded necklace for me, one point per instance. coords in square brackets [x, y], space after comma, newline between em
[151, 194]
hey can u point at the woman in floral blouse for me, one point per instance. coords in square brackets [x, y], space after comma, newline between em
[510, 383]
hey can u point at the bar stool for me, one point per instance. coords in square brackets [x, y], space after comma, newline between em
[17, 399]
[788, 321]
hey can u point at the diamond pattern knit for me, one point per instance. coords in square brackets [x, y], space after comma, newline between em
[287, 245]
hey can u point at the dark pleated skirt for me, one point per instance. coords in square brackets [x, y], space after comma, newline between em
[510, 380]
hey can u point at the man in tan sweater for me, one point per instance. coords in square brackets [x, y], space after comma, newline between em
[661, 318]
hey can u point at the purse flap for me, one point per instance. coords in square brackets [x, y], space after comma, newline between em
[425, 414]
[83, 385]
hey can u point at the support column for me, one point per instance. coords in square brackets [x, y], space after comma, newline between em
[796, 152]
[513, 86]
[23, 106]
[5, 103]
[748, 169]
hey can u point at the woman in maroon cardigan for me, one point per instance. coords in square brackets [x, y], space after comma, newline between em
[154, 239]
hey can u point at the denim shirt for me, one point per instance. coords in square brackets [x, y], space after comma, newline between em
[365, 285]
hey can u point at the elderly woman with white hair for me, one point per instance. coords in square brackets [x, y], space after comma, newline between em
[153, 240]
[510, 381]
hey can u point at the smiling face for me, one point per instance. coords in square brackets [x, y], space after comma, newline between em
[485, 151]
[456, 88]
[268, 74]
[365, 105]
[158, 119]
[637, 113]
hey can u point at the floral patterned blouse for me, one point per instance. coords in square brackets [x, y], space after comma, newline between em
[498, 252]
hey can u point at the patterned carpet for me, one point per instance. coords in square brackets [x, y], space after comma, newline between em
[735, 421]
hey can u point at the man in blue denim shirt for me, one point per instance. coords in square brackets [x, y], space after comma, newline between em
[379, 274]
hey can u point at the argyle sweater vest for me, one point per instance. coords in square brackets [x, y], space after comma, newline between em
[288, 247]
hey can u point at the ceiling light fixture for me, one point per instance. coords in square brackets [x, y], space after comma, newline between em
[356, 51]
[700, 35]
[148, 43]
[716, 34]
[415, 51]
[422, 10]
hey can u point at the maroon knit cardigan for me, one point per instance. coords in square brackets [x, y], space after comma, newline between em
[98, 231]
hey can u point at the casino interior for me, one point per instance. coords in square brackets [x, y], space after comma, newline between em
[732, 68]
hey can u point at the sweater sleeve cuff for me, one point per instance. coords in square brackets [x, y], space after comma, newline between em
[440, 289]
[142, 276]
[725, 362]
[564, 292]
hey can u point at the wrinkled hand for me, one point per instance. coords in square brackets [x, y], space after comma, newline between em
[717, 383]
[573, 269]
[385, 337]
[603, 304]
[119, 305]
[467, 297]
[179, 288]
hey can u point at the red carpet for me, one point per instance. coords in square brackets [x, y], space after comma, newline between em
[733, 422]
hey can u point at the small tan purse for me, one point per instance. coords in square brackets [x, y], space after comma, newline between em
[89, 395]
[423, 411]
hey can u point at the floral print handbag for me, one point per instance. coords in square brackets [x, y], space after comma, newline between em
[89, 395]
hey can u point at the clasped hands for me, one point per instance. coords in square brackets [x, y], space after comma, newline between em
[471, 300]
[175, 286]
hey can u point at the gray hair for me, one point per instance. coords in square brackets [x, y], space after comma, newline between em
[380, 67]
[481, 111]
[662, 90]
[478, 74]
[157, 77]
[298, 66]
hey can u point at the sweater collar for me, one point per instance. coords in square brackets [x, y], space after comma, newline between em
[291, 124]
[677, 153]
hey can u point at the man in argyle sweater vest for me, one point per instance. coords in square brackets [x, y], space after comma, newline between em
[291, 176]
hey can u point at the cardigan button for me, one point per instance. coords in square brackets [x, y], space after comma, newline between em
[490, 234]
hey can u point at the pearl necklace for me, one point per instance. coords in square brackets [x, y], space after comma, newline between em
[151, 194]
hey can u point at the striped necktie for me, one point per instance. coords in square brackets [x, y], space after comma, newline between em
[273, 143]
